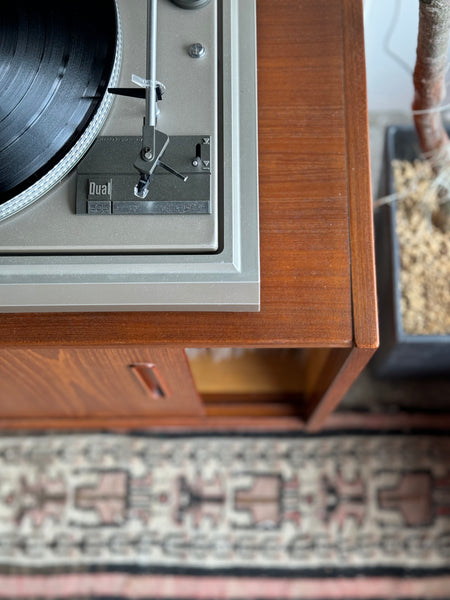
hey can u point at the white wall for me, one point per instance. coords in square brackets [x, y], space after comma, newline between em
[390, 25]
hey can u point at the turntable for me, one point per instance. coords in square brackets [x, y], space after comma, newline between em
[128, 155]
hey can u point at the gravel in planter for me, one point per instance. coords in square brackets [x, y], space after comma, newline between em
[424, 251]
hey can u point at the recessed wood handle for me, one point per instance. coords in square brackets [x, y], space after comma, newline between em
[150, 379]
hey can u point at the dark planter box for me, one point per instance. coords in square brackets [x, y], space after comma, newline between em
[400, 354]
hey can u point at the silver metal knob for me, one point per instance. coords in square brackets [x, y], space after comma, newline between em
[197, 50]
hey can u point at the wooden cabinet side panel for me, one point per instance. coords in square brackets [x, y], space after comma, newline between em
[364, 297]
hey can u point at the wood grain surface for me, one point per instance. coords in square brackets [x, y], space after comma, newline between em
[316, 244]
[365, 316]
[78, 383]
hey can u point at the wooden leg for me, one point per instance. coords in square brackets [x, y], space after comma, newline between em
[331, 373]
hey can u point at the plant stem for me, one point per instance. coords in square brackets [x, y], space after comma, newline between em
[429, 73]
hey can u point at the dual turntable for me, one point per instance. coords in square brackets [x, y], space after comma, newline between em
[128, 155]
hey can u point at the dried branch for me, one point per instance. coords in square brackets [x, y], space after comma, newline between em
[429, 72]
[429, 83]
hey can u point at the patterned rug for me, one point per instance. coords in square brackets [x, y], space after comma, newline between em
[360, 510]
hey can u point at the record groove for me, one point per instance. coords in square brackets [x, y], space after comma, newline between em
[56, 60]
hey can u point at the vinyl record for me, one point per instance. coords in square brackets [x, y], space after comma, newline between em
[56, 60]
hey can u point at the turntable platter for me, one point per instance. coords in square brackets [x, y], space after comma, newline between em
[56, 61]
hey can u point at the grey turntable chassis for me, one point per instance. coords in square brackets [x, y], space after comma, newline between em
[225, 279]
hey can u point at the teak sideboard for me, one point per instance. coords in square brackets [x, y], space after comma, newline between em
[129, 370]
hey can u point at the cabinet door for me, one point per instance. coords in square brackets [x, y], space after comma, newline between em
[96, 382]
